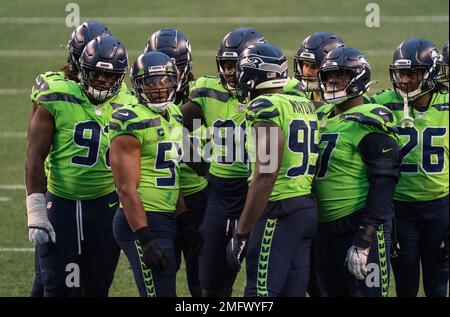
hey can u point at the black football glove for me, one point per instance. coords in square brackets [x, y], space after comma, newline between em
[236, 250]
[153, 256]
[190, 238]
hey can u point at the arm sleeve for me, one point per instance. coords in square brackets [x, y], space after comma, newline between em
[382, 157]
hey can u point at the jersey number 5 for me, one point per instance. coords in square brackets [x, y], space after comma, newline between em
[162, 163]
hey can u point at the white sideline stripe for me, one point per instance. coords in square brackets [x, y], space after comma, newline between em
[5, 92]
[6, 135]
[12, 187]
[16, 249]
[5, 199]
[227, 20]
[200, 53]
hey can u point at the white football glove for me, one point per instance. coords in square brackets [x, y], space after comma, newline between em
[39, 227]
[356, 261]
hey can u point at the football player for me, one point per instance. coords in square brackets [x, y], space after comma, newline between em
[279, 219]
[213, 101]
[82, 35]
[194, 188]
[420, 108]
[355, 181]
[70, 219]
[146, 143]
[307, 62]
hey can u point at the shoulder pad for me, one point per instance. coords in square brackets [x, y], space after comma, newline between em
[380, 118]
[261, 108]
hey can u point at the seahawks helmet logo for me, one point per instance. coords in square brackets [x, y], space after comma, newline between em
[251, 62]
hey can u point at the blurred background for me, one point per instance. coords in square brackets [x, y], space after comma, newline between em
[32, 35]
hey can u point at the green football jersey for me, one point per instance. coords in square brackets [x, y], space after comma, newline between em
[78, 162]
[225, 119]
[190, 182]
[296, 118]
[295, 86]
[341, 183]
[39, 84]
[424, 147]
[161, 142]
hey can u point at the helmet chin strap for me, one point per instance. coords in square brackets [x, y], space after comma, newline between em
[407, 120]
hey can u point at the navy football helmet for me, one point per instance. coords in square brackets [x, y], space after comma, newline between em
[103, 65]
[262, 66]
[176, 45]
[154, 77]
[414, 68]
[80, 37]
[232, 45]
[313, 50]
[443, 75]
[344, 74]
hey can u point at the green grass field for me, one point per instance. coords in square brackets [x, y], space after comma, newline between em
[32, 32]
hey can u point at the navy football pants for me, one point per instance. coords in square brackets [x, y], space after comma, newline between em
[84, 239]
[196, 204]
[279, 248]
[150, 283]
[421, 227]
[331, 244]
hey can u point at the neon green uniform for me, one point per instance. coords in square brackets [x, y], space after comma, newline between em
[424, 148]
[78, 163]
[342, 184]
[190, 182]
[296, 118]
[225, 116]
[161, 142]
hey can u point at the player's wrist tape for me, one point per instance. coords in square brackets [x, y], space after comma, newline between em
[364, 236]
[36, 208]
[144, 235]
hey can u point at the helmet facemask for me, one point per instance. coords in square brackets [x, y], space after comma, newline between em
[443, 75]
[184, 69]
[410, 81]
[156, 90]
[309, 83]
[101, 84]
[226, 66]
[339, 85]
